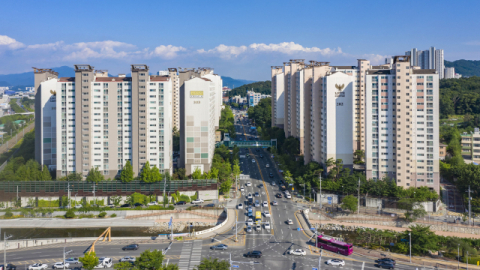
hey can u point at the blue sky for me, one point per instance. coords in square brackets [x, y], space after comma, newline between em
[239, 39]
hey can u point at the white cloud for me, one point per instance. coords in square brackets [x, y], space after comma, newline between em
[167, 52]
[10, 43]
[225, 51]
[375, 59]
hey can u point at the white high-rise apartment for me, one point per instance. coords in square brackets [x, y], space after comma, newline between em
[278, 96]
[449, 73]
[389, 111]
[428, 59]
[92, 120]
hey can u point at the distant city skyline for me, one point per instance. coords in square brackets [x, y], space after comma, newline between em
[237, 38]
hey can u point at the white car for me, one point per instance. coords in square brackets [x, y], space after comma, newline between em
[250, 222]
[104, 263]
[249, 196]
[152, 203]
[249, 229]
[128, 259]
[288, 196]
[266, 214]
[273, 184]
[197, 201]
[253, 160]
[240, 206]
[289, 222]
[267, 226]
[249, 184]
[336, 262]
[72, 261]
[268, 165]
[258, 227]
[242, 189]
[297, 252]
[38, 266]
[78, 206]
[59, 265]
[265, 204]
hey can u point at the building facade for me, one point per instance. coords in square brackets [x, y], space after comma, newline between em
[388, 111]
[428, 59]
[471, 145]
[278, 96]
[95, 121]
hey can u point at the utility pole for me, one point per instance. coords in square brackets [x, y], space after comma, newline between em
[320, 192]
[358, 208]
[320, 260]
[5, 238]
[94, 198]
[469, 208]
[68, 195]
[410, 243]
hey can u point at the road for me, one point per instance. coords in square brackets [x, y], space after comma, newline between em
[274, 243]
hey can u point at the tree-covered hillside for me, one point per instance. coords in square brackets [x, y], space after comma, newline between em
[259, 87]
[465, 67]
[459, 96]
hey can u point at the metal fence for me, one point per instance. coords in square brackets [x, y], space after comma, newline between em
[105, 186]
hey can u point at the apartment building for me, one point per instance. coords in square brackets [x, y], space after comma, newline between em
[200, 99]
[278, 96]
[402, 124]
[428, 59]
[471, 145]
[388, 111]
[92, 120]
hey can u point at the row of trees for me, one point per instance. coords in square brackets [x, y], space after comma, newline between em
[226, 123]
[459, 96]
[258, 87]
[261, 114]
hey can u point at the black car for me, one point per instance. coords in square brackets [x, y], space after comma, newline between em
[271, 175]
[130, 247]
[138, 205]
[279, 195]
[257, 194]
[386, 265]
[386, 260]
[77, 268]
[209, 205]
[125, 205]
[181, 203]
[258, 150]
[261, 156]
[9, 266]
[253, 254]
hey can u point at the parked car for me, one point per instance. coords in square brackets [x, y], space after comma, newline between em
[297, 252]
[37, 266]
[181, 203]
[78, 206]
[9, 267]
[138, 205]
[125, 205]
[152, 203]
[127, 259]
[197, 201]
[130, 247]
[72, 261]
[209, 205]
[240, 206]
[336, 262]
[253, 254]
[219, 247]
[59, 265]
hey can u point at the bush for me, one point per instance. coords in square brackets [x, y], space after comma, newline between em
[70, 214]
[471, 260]
[113, 215]
[8, 213]
[102, 214]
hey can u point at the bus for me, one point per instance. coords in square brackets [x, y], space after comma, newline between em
[329, 243]
[258, 217]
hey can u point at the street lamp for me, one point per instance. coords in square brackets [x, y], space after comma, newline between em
[410, 244]
[65, 253]
[5, 238]
[458, 256]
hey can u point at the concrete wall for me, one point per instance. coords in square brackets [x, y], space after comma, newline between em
[208, 194]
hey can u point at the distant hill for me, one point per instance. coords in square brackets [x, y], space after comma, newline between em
[26, 78]
[231, 83]
[465, 67]
[259, 87]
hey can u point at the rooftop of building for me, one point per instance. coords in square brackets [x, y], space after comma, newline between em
[424, 71]
[378, 71]
[345, 67]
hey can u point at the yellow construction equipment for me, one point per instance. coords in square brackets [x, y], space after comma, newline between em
[105, 234]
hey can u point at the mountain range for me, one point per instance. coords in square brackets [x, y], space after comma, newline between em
[26, 79]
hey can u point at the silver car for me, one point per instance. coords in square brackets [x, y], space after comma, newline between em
[220, 247]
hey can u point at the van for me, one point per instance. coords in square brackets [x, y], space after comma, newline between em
[104, 263]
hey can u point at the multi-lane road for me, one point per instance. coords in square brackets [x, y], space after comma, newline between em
[274, 243]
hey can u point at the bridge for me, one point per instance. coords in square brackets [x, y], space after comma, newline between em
[249, 144]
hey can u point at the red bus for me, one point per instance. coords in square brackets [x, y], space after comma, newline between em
[331, 244]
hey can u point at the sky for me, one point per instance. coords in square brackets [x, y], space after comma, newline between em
[239, 39]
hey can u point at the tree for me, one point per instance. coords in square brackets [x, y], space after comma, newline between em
[146, 174]
[288, 177]
[94, 175]
[197, 174]
[181, 174]
[213, 264]
[236, 169]
[350, 203]
[45, 174]
[89, 261]
[226, 186]
[359, 155]
[150, 260]
[423, 239]
[116, 200]
[156, 175]
[413, 209]
[127, 173]
[123, 266]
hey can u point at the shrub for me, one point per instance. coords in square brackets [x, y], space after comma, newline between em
[70, 214]
[8, 213]
[113, 215]
[102, 214]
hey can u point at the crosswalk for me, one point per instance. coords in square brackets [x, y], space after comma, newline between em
[190, 255]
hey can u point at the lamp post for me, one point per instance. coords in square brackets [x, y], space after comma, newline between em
[65, 253]
[458, 256]
[5, 238]
[410, 244]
